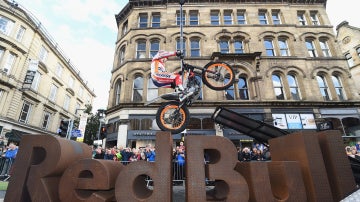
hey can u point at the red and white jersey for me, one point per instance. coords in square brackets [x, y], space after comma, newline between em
[157, 65]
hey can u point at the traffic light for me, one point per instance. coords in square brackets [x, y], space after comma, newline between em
[103, 132]
[64, 125]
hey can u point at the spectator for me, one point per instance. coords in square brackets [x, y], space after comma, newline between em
[126, 154]
[9, 156]
[135, 156]
[150, 153]
[108, 154]
[99, 153]
[246, 154]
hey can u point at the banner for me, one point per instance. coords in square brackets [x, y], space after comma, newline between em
[82, 127]
[30, 74]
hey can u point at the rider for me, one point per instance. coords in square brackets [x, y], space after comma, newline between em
[161, 77]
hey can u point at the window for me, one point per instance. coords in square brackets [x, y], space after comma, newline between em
[117, 92]
[124, 28]
[138, 86]
[349, 59]
[314, 18]
[152, 90]
[6, 25]
[284, 49]
[294, 89]
[155, 22]
[301, 18]
[214, 18]
[178, 45]
[178, 18]
[269, 47]
[1, 53]
[81, 91]
[224, 46]
[43, 54]
[262, 18]
[243, 89]
[77, 107]
[20, 33]
[143, 18]
[9, 63]
[154, 47]
[194, 47]
[325, 48]
[323, 87]
[230, 92]
[241, 20]
[238, 46]
[194, 18]
[228, 17]
[25, 112]
[53, 91]
[199, 81]
[71, 82]
[310, 47]
[338, 87]
[66, 102]
[275, 17]
[122, 55]
[141, 49]
[59, 70]
[357, 50]
[278, 87]
[36, 81]
[46, 120]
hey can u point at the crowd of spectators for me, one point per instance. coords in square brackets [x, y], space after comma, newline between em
[258, 152]
[353, 151]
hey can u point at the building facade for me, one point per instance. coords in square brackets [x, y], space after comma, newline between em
[289, 69]
[39, 87]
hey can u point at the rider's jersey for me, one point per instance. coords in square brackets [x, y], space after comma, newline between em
[160, 76]
[157, 65]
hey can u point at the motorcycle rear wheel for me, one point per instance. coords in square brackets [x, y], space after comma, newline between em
[170, 117]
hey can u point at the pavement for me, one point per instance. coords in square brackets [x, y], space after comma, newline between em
[178, 194]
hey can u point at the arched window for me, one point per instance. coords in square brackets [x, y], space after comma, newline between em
[230, 92]
[152, 91]
[243, 88]
[278, 87]
[198, 78]
[138, 86]
[338, 87]
[269, 47]
[224, 45]
[195, 47]
[323, 87]
[117, 92]
[349, 59]
[178, 45]
[284, 49]
[122, 55]
[141, 49]
[310, 47]
[325, 48]
[294, 89]
[154, 47]
[238, 46]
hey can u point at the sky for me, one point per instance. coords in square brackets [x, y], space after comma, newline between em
[86, 31]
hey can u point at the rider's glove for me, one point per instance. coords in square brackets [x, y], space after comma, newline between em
[179, 54]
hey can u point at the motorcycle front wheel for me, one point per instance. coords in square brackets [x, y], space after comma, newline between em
[170, 117]
[218, 75]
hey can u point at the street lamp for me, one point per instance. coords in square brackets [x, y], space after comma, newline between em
[101, 114]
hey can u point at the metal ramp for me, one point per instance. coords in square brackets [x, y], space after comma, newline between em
[258, 130]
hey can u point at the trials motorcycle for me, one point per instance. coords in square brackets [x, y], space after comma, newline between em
[174, 115]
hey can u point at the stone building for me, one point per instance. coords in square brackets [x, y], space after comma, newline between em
[348, 38]
[290, 71]
[39, 87]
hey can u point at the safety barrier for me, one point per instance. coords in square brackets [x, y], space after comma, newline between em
[5, 168]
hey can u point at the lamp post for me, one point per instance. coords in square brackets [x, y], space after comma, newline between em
[101, 114]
